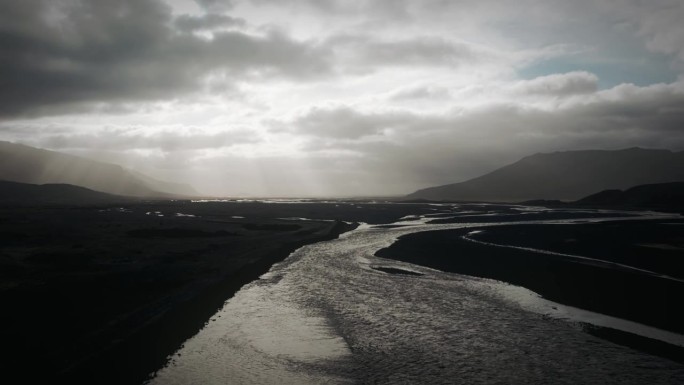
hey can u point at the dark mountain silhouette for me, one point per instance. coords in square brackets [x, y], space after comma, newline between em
[24, 164]
[14, 193]
[655, 196]
[569, 176]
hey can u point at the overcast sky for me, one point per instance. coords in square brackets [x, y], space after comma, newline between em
[338, 97]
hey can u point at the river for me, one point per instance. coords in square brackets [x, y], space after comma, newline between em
[327, 315]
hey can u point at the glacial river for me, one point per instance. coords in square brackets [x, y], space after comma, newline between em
[326, 315]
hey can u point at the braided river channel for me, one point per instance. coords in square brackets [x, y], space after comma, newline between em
[333, 312]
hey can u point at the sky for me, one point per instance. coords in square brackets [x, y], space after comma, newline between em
[338, 97]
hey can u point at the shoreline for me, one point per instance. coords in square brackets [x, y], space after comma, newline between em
[637, 342]
[85, 287]
[149, 348]
[109, 294]
[634, 297]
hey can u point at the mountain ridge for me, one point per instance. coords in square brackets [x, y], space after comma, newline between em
[15, 193]
[564, 175]
[26, 164]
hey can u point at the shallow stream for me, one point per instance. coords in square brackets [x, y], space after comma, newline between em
[328, 315]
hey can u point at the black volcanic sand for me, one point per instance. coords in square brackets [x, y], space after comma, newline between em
[652, 245]
[104, 294]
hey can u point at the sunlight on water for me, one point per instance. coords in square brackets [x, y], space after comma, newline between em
[327, 315]
[259, 337]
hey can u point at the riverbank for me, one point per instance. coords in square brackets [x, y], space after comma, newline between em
[106, 294]
[334, 313]
[148, 348]
[600, 287]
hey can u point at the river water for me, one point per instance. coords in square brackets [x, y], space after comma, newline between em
[326, 315]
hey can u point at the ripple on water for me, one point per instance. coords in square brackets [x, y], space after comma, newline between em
[326, 316]
[259, 337]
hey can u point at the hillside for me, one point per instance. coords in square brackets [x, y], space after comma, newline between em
[13, 193]
[568, 175]
[24, 164]
[655, 196]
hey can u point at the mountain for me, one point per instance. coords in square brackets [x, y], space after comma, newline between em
[13, 193]
[654, 196]
[24, 164]
[568, 175]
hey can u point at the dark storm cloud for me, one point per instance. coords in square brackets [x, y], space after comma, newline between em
[55, 53]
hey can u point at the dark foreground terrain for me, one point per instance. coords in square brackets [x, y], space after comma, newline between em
[103, 294]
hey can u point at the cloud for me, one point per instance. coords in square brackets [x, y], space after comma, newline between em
[216, 5]
[345, 123]
[61, 53]
[211, 21]
[572, 83]
[165, 140]
[371, 52]
[339, 97]
[388, 8]
[430, 149]
[421, 92]
[660, 23]
[543, 89]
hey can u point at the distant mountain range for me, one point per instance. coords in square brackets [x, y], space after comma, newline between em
[568, 176]
[24, 164]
